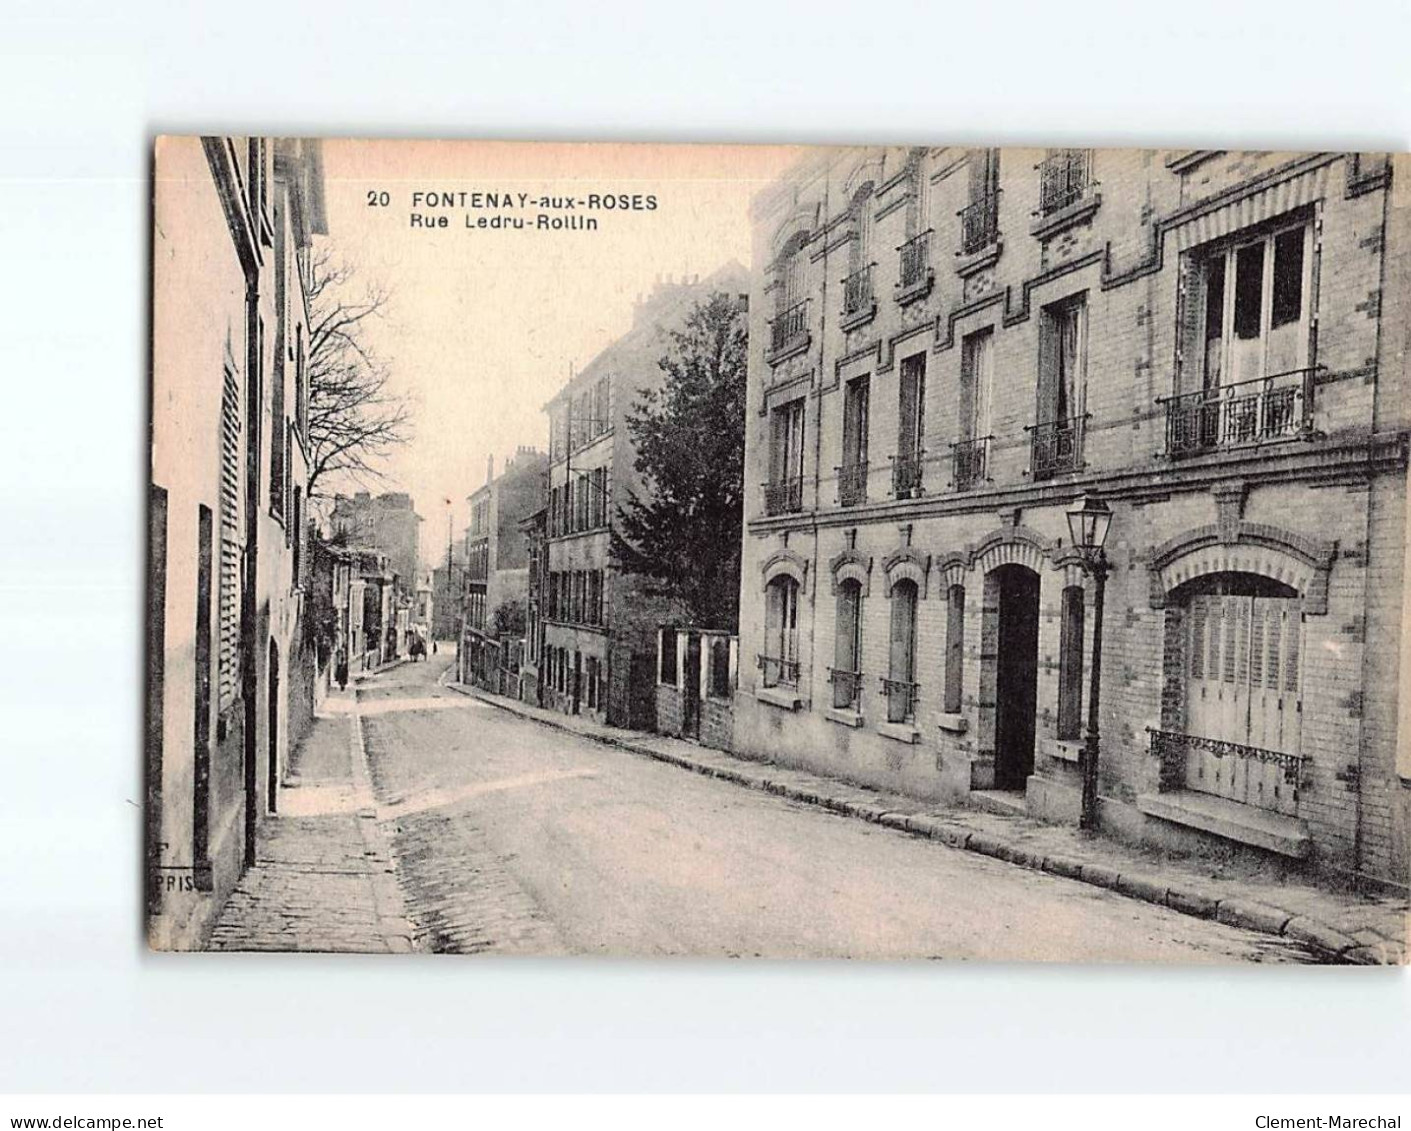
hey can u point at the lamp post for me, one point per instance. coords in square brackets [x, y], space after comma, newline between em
[1088, 521]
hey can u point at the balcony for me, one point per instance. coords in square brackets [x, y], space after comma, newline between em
[906, 476]
[970, 462]
[1067, 193]
[979, 224]
[859, 306]
[1064, 179]
[917, 277]
[784, 496]
[852, 484]
[1278, 407]
[847, 689]
[778, 672]
[788, 333]
[1055, 447]
[901, 696]
[1243, 793]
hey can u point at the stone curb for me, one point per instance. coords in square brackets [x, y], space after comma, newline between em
[1330, 943]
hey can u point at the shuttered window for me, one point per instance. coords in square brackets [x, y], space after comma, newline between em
[231, 543]
[1070, 664]
[955, 647]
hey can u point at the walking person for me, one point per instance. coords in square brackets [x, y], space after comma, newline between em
[340, 670]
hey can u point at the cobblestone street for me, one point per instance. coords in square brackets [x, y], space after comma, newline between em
[510, 837]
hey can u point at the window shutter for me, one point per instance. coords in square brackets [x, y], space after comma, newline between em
[903, 628]
[1048, 368]
[955, 647]
[845, 656]
[1070, 664]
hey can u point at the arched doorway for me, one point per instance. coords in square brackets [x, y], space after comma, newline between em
[1234, 646]
[273, 684]
[1013, 595]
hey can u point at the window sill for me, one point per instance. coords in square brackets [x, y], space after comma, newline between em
[843, 717]
[967, 265]
[850, 322]
[788, 349]
[785, 697]
[1066, 217]
[916, 291]
[1274, 832]
[954, 722]
[900, 732]
[1065, 749]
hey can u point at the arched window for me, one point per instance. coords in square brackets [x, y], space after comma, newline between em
[955, 647]
[780, 662]
[900, 683]
[788, 278]
[847, 647]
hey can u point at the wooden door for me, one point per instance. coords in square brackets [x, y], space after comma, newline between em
[1243, 686]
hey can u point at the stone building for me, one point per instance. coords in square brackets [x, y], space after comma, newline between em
[229, 565]
[948, 347]
[497, 567]
[387, 523]
[600, 636]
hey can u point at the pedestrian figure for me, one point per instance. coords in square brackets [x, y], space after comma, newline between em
[433, 647]
[340, 671]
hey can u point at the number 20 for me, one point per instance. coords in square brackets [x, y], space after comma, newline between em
[378, 199]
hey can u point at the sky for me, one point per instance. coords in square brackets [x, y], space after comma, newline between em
[484, 325]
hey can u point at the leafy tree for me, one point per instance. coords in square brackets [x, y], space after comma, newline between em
[683, 535]
[354, 419]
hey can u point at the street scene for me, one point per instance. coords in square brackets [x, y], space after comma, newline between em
[878, 553]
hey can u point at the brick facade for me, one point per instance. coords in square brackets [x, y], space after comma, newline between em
[1311, 504]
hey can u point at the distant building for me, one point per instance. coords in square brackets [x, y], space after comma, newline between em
[497, 568]
[600, 624]
[387, 523]
[535, 529]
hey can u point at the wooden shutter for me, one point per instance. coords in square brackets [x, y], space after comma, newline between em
[1070, 664]
[955, 647]
[231, 545]
[1048, 367]
[902, 652]
[845, 647]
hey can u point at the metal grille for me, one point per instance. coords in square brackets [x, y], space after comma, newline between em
[1064, 177]
[1055, 447]
[847, 688]
[970, 462]
[857, 292]
[906, 476]
[778, 672]
[1265, 779]
[1276, 407]
[901, 697]
[852, 484]
[979, 223]
[915, 260]
[785, 496]
[789, 326]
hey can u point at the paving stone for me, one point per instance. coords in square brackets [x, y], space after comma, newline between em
[1142, 887]
[1252, 916]
[1318, 934]
[1191, 902]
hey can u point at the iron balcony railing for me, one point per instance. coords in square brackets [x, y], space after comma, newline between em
[1056, 446]
[784, 496]
[979, 223]
[852, 484]
[1264, 779]
[915, 260]
[907, 475]
[1277, 407]
[847, 688]
[1065, 176]
[901, 695]
[857, 292]
[970, 462]
[778, 672]
[789, 326]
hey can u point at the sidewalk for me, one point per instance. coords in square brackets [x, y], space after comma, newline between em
[1343, 927]
[324, 878]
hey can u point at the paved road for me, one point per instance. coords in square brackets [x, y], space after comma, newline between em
[510, 836]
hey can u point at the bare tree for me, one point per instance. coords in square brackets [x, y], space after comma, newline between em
[354, 420]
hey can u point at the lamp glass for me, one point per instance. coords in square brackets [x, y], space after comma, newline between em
[1088, 521]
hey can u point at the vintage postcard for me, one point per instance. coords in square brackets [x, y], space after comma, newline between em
[874, 552]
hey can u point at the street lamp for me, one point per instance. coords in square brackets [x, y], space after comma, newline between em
[1088, 521]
